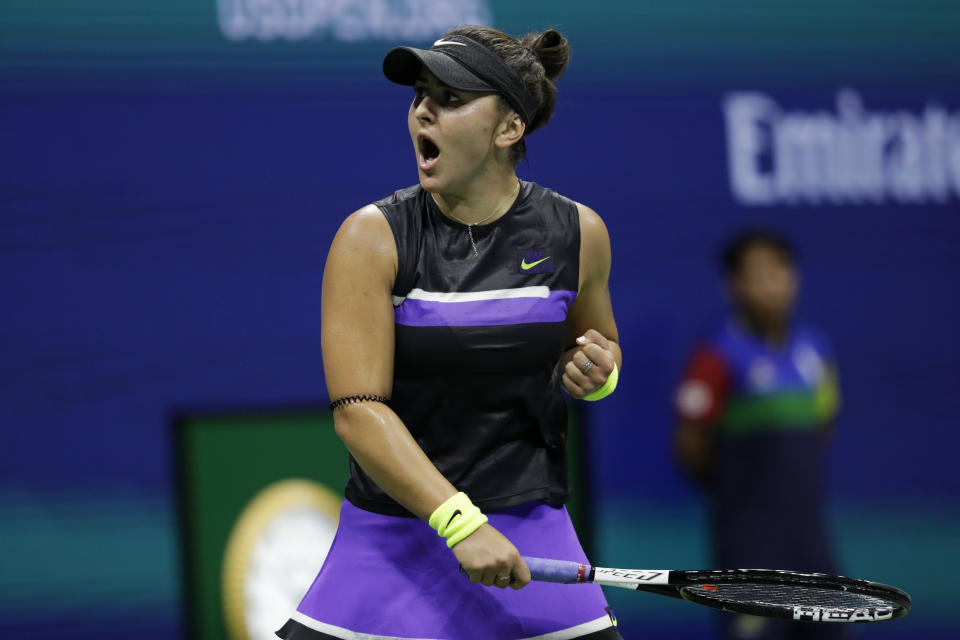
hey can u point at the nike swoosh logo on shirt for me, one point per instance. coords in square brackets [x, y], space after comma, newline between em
[530, 265]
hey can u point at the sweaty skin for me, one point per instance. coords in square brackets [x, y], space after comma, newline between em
[472, 174]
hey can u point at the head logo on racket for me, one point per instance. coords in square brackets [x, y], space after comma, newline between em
[770, 593]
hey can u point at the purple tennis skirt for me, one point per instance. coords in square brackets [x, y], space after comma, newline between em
[388, 577]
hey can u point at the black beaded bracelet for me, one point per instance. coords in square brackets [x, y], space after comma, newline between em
[336, 404]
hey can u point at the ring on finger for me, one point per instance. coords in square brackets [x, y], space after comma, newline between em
[586, 366]
[503, 579]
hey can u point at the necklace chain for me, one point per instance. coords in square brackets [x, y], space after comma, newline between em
[470, 225]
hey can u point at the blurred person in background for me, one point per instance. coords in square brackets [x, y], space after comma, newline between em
[754, 414]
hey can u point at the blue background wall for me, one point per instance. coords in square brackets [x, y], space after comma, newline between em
[169, 194]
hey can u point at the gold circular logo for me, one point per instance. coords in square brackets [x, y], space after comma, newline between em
[273, 554]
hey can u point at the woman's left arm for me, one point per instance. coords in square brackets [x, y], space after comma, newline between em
[591, 329]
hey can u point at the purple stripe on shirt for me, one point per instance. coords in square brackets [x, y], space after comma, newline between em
[427, 313]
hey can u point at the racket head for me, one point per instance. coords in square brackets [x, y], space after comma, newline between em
[802, 597]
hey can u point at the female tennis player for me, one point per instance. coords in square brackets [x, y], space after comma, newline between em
[454, 311]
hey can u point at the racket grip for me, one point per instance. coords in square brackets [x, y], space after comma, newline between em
[563, 571]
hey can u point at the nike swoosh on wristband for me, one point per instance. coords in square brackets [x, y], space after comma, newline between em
[439, 43]
[455, 514]
[530, 265]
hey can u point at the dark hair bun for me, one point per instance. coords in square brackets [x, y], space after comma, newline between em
[536, 58]
[551, 49]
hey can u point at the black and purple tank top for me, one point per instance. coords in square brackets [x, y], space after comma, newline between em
[478, 338]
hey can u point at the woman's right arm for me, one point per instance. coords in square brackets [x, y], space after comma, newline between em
[358, 342]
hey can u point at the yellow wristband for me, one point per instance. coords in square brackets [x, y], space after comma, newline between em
[606, 388]
[456, 518]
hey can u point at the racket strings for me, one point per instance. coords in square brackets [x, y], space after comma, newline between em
[789, 596]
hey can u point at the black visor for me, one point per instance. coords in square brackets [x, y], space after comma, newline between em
[461, 63]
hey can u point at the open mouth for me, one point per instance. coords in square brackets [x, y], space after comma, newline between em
[428, 151]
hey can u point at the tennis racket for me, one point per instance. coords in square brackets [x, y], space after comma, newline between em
[806, 597]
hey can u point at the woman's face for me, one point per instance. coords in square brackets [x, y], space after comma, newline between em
[453, 133]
